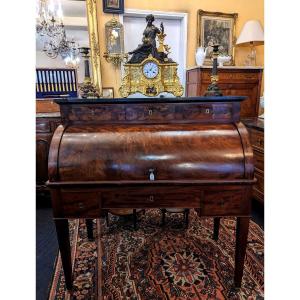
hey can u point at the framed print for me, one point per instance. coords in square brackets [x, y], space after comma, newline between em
[113, 6]
[108, 92]
[216, 28]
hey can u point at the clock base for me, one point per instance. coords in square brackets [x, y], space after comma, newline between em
[166, 80]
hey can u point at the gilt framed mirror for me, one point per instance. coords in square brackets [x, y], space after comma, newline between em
[60, 66]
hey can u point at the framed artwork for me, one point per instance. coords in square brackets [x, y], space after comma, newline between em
[216, 28]
[108, 92]
[113, 6]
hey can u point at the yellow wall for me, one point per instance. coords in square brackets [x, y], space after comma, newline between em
[246, 9]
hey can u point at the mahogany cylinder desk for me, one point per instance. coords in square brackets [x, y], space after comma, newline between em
[151, 153]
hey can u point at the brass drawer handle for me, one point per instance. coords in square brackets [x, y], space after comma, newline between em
[260, 142]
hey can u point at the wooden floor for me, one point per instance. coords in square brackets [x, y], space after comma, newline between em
[47, 248]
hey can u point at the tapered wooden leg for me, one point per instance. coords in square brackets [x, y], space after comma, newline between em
[89, 228]
[134, 219]
[216, 228]
[63, 237]
[163, 219]
[107, 218]
[186, 217]
[242, 227]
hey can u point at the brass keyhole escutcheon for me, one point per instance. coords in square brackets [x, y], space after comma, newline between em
[151, 175]
[150, 112]
[80, 205]
[151, 198]
[207, 110]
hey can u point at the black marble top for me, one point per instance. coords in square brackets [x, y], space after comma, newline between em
[148, 100]
[256, 123]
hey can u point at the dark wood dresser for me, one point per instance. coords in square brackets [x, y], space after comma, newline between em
[233, 81]
[46, 124]
[256, 130]
[151, 153]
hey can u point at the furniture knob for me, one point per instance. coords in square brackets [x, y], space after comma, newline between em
[151, 199]
[151, 175]
[80, 205]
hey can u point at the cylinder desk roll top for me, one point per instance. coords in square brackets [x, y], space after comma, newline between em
[151, 153]
[150, 140]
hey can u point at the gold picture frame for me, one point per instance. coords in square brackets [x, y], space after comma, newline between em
[217, 27]
[108, 92]
[94, 43]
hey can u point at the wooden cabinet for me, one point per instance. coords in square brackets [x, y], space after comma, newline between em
[46, 124]
[233, 81]
[255, 127]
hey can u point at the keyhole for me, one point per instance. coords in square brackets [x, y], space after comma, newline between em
[150, 112]
[151, 175]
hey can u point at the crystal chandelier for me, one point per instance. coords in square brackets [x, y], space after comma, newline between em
[63, 47]
[49, 19]
[72, 59]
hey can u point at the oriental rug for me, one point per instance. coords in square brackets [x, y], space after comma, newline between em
[155, 263]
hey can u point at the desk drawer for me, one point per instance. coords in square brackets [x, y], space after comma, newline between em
[221, 203]
[258, 160]
[257, 139]
[78, 204]
[157, 112]
[151, 197]
[42, 126]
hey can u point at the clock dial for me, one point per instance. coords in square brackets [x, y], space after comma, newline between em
[150, 70]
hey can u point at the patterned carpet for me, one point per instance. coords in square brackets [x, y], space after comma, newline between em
[155, 263]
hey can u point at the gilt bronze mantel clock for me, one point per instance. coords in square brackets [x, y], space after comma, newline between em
[149, 71]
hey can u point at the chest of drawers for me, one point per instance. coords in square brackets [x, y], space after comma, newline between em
[157, 153]
[255, 127]
[46, 124]
[232, 81]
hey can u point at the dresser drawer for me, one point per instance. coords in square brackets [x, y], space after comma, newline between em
[258, 160]
[234, 77]
[260, 180]
[221, 203]
[257, 139]
[151, 197]
[43, 126]
[157, 112]
[78, 203]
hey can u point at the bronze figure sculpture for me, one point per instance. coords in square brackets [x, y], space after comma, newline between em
[149, 44]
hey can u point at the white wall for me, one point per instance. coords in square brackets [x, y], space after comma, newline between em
[43, 61]
[134, 26]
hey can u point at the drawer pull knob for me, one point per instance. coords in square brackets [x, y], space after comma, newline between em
[150, 112]
[151, 199]
[81, 205]
[151, 175]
